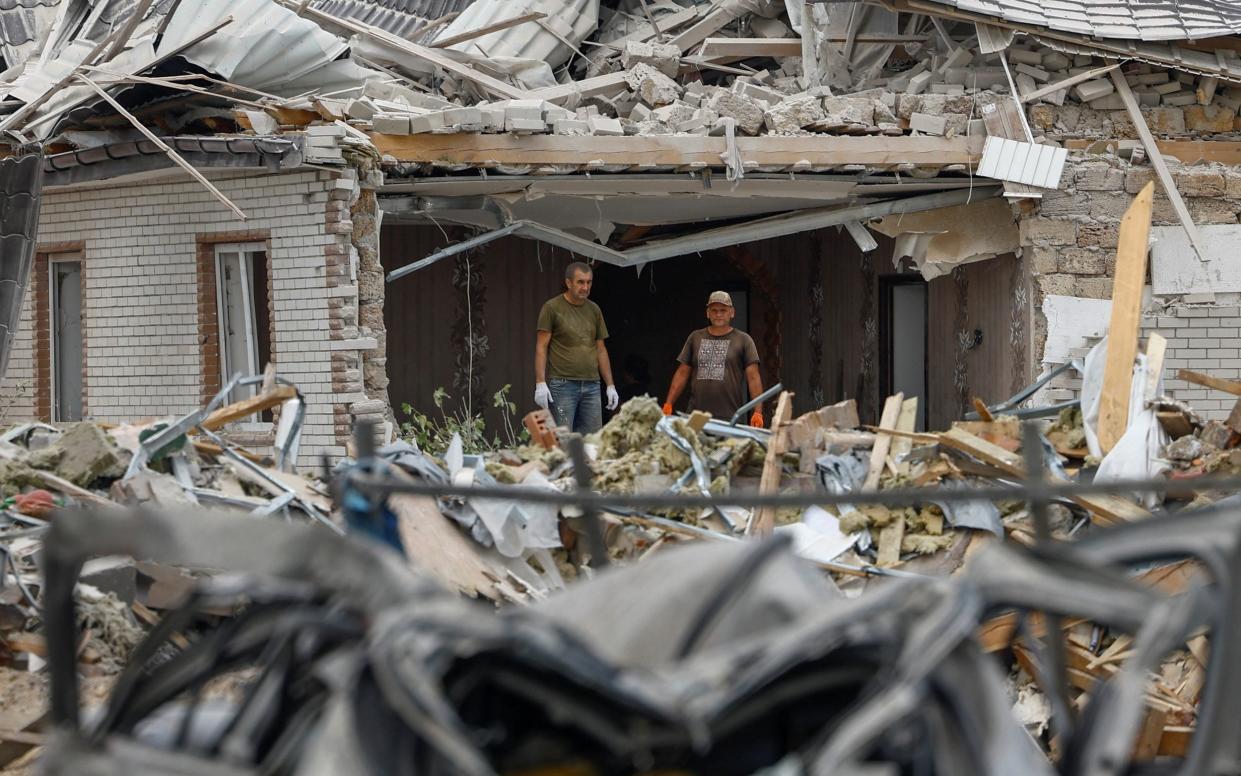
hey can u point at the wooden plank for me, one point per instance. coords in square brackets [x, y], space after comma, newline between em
[1157, 161]
[1234, 418]
[1156, 349]
[906, 423]
[247, 407]
[1187, 151]
[711, 23]
[1175, 741]
[1218, 383]
[1066, 83]
[743, 48]
[1122, 332]
[434, 545]
[1104, 509]
[883, 443]
[428, 55]
[763, 521]
[667, 23]
[1150, 735]
[611, 83]
[890, 537]
[503, 24]
[679, 150]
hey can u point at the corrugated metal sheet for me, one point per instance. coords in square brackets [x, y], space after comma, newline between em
[399, 17]
[567, 20]
[1028, 163]
[1146, 20]
[265, 46]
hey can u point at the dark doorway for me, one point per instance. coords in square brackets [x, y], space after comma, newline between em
[903, 340]
[649, 315]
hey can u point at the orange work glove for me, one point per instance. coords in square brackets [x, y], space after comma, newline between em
[756, 420]
[667, 408]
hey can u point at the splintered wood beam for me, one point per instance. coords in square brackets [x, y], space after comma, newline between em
[1122, 332]
[1207, 381]
[763, 521]
[247, 407]
[173, 155]
[1187, 151]
[824, 151]
[1069, 82]
[879, 453]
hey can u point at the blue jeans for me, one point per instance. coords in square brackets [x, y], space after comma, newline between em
[576, 404]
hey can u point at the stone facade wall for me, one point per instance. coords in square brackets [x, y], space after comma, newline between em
[1069, 241]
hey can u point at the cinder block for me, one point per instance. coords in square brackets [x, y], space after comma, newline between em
[928, 124]
[1093, 90]
[390, 124]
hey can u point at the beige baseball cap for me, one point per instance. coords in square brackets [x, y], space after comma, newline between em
[720, 297]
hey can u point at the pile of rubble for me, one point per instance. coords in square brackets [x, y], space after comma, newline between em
[169, 464]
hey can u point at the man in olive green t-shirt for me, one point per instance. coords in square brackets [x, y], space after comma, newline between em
[569, 355]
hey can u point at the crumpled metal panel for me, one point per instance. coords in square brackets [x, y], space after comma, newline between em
[1149, 20]
[265, 46]
[21, 182]
[571, 20]
[400, 17]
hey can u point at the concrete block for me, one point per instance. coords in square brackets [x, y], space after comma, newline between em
[664, 57]
[603, 125]
[361, 108]
[947, 89]
[746, 112]
[1108, 102]
[525, 125]
[1025, 84]
[958, 58]
[1093, 90]
[1150, 79]
[1037, 73]
[918, 83]
[1054, 60]
[1179, 99]
[1148, 99]
[1083, 60]
[390, 124]
[1024, 56]
[430, 122]
[462, 116]
[794, 114]
[652, 86]
[756, 92]
[570, 127]
[928, 124]
[639, 113]
[1166, 87]
[851, 110]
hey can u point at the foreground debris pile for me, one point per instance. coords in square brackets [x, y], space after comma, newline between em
[170, 464]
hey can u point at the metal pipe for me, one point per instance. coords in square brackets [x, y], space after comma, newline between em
[752, 403]
[453, 250]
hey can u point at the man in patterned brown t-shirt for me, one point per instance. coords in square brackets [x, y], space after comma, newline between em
[723, 362]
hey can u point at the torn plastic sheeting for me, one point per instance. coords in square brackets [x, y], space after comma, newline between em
[981, 515]
[841, 474]
[960, 234]
[266, 45]
[1137, 453]
[513, 528]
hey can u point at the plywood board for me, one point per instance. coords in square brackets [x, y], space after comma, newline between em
[1122, 340]
[436, 546]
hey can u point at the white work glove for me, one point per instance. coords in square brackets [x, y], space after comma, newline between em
[542, 395]
[613, 398]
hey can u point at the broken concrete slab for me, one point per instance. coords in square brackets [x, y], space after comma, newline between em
[652, 87]
[664, 57]
[743, 110]
[793, 114]
[82, 455]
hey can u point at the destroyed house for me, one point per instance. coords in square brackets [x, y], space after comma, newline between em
[914, 196]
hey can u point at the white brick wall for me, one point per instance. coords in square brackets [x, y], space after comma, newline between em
[141, 290]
